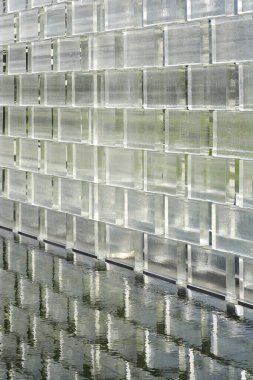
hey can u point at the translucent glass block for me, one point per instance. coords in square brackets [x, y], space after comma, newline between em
[144, 129]
[7, 213]
[245, 6]
[164, 88]
[56, 227]
[232, 39]
[53, 89]
[124, 168]
[161, 172]
[16, 5]
[42, 191]
[83, 17]
[143, 48]
[29, 219]
[108, 127]
[85, 235]
[17, 185]
[73, 124]
[122, 14]
[2, 121]
[29, 154]
[209, 8]
[162, 256]
[247, 283]
[123, 88]
[28, 25]
[70, 196]
[188, 221]
[41, 119]
[208, 269]
[17, 59]
[84, 89]
[68, 57]
[145, 212]
[16, 120]
[232, 230]
[110, 205]
[56, 158]
[246, 81]
[6, 90]
[41, 56]
[238, 141]
[6, 151]
[212, 87]
[209, 179]
[246, 183]
[186, 44]
[107, 51]
[36, 3]
[54, 21]
[160, 11]
[84, 162]
[188, 131]
[29, 89]
[6, 28]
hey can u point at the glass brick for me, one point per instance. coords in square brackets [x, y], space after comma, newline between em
[110, 205]
[6, 28]
[17, 185]
[41, 56]
[29, 89]
[209, 8]
[246, 293]
[143, 48]
[41, 119]
[42, 191]
[122, 14]
[86, 235]
[56, 157]
[245, 6]
[7, 214]
[123, 89]
[54, 21]
[107, 51]
[72, 122]
[53, 89]
[84, 89]
[16, 120]
[28, 25]
[161, 172]
[29, 155]
[245, 83]
[84, 162]
[161, 11]
[29, 219]
[56, 227]
[83, 17]
[6, 151]
[17, 59]
[164, 88]
[16, 5]
[6, 90]
[70, 196]
[68, 56]
[108, 127]
[246, 183]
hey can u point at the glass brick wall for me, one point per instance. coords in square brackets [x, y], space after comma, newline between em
[127, 133]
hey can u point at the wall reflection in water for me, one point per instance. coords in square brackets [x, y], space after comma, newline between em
[63, 318]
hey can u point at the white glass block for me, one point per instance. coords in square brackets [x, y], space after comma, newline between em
[107, 51]
[41, 56]
[17, 121]
[188, 131]
[36, 3]
[6, 151]
[209, 8]
[2, 59]
[85, 235]
[212, 87]
[29, 89]
[232, 39]
[143, 48]
[238, 141]
[124, 168]
[144, 129]
[17, 59]
[84, 162]
[41, 119]
[162, 256]
[6, 89]
[42, 191]
[2, 121]
[16, 5]
[233, 230]
[110, 205]
[188, 221]
[84, 89]
[72, 124]
[83, 17]
[246, 293]
[7, 213]
[54, 21]
[246, 183]
[56, 227]
[68, 57]
[53, 89]
[186, 44]
[123, 88]
[6, 28]
[108, 127]
[245, 6]
[29, 219]
[209, 178]
[161, 172]
[145, 212]
[164, 88]
[56, 157]
[28, 25]
[29, 155]
[246, 81]
[208, 269]
[160, 11]
[70, 196]
[122, 14]
[17, 185]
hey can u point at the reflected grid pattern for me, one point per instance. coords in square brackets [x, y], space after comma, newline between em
[126, 133]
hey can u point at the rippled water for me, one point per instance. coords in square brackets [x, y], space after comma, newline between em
[65, 316]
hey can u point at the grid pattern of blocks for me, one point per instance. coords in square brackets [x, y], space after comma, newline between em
[126, 133]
